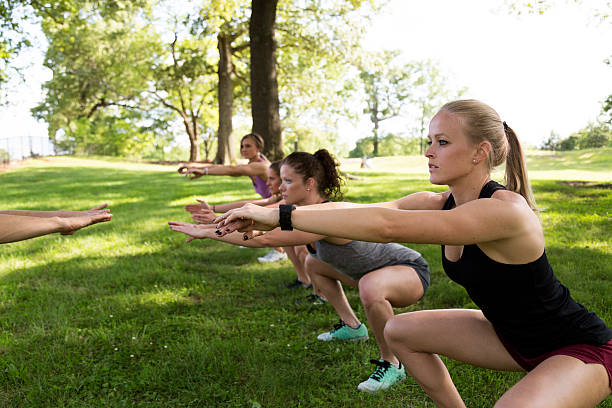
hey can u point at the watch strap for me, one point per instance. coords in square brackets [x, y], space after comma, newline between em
[284, 218]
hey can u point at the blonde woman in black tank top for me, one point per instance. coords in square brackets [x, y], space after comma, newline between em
[493, 244]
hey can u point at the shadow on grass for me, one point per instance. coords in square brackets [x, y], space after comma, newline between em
[105, 184]
[164, 323]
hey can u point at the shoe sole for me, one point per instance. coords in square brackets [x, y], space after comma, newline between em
[369, 391]
[268, 261]
[355, 339]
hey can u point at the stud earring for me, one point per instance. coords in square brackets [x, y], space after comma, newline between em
[474, 161]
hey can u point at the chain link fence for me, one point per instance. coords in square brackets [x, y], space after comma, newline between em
[22, 147]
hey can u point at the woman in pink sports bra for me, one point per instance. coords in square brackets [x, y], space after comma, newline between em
[256, 169]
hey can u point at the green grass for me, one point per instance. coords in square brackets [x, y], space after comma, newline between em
[127, 314]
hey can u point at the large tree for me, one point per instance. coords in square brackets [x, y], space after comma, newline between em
[430, 90]
[386, 87]
[14, 13]
[93, 75]
[264, 85]
[315, 39]
[187, 87]
[227, 22]
[316, 43]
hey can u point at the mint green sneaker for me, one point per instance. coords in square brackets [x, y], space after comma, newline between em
[343, 332]
[385, 376]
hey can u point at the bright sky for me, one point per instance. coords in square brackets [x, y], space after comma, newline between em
[540, 72]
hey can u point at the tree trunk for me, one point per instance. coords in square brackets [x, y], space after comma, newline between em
[194, 145]
[374, 118]
[264, 87]
[422, 128]
[375, 153]
[194, 149]
[225, 145]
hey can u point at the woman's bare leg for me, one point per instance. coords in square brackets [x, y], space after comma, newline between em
[382, 289]
[327, 282]
[297, 256]
[559, 382]
[463, 335]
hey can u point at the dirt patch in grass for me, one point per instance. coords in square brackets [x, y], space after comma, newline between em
[586, 184]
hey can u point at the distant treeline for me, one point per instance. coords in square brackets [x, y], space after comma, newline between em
[592, 136]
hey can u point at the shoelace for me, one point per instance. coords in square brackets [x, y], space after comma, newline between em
[338, 326]
[382, 368]
[295, 284]
[313, 297]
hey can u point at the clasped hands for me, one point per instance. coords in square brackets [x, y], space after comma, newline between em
[191, 172]
[247, 219]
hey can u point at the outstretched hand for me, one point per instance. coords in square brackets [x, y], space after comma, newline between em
[98, 209]
[204, 217]
[247, 218]
[191, 172]
[193, 231]
[81, 219]
[195, 208]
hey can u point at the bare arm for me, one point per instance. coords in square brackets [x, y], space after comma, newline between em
[424, 200]
[252, 169]
[59, 213]
[477, 221]
[19, 227]
[275, 238]
[221, 208]
[203, 213]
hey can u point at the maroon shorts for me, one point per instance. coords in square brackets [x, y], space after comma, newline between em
[587, 353]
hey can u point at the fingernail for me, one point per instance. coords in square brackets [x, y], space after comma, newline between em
[227, 230]
[218, 232]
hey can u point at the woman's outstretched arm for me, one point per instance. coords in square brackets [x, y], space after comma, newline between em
[221, 208]
[252, 169]
[483, 220]
[20, 227]
[59, 213]
[275, 238]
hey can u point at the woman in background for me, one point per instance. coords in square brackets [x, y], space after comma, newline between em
[256, 169]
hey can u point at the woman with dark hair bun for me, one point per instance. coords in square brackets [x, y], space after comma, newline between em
[387, 275]
[256, 169]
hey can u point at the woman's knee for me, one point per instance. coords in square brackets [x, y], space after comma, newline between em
[310, 265]
[398, 329]
[370, 291]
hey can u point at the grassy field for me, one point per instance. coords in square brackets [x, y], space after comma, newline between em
[127, 314]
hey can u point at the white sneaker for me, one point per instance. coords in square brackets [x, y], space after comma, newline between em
[272, 256]
[385, 376]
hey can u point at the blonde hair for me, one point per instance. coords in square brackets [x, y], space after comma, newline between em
[481, 123]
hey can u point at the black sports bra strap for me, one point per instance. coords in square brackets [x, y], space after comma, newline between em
[486, 192]
[490, 188]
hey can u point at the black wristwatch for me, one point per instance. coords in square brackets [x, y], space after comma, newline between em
[284, 218]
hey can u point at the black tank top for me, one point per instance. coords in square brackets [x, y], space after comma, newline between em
[527, 305]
